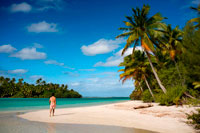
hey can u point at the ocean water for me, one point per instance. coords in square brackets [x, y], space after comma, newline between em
[18, 104]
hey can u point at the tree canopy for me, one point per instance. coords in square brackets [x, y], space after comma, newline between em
[11, 88]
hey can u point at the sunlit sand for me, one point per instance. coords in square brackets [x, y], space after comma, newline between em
[156, 118]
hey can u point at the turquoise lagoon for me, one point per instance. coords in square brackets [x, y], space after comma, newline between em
[18, 104]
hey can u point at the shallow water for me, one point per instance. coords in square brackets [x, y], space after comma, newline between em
[16, 104]
[10, 123]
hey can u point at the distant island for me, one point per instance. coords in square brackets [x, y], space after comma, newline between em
[9, 88]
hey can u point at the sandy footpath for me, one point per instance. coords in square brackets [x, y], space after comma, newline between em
[157, 118]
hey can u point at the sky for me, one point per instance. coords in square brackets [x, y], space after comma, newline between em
[73, 41]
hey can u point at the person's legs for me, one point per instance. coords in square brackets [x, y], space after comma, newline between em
[50, 111]
[53, 111]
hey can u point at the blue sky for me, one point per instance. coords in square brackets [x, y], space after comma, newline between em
[73, 41]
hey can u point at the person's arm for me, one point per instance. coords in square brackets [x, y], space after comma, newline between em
[49, 100]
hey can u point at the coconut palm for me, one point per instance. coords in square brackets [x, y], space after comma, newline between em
[143, 29]
[172, 42]
[137, 83]
[136, 68]
[38, 81]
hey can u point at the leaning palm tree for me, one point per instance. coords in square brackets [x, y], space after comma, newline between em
[143, 29]
[136, 67]
[137, 83]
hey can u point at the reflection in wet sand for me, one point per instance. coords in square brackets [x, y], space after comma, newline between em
[51, 128]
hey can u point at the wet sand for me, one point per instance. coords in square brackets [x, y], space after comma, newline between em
[11, 123]
[120, 116]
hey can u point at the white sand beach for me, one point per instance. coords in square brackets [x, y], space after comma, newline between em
[157, 118]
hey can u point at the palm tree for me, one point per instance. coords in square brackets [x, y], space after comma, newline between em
[172, 39]
[38, 81]
[12, 86]
[136, 67]
[143, 29]
[137, 83]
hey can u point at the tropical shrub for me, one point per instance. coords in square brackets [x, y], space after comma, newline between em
[136, 95]
[18, 94]
[195, 118]
[146, 96]
[172, 97]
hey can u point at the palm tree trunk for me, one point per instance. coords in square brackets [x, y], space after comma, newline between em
[149, 87]
[141, 87]
[155, 74]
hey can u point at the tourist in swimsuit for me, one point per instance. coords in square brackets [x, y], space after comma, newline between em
[52, 102]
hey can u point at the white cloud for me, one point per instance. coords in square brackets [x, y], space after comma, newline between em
[7, 49]
[116, 59]
[102, 46]
[103, 86]
[108, 74]
[75, 84]
[35, 77]
[196, 2]
[68, 67]
[29, 54]
[38, 5]
[22, 7]
[50, 4]
[37, 45]
[72, 74]
[94, 80]
[42, 27]
[139, 48]
[87, 70]
[109, 63]
[54, 62]
[128, 51]
[17, 71]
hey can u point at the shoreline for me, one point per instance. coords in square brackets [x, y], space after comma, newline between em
[10, 122]
[157, 118]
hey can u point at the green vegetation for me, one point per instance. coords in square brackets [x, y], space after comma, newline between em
[9, 88]
[167, 70]
[195, 119]
[173, 96]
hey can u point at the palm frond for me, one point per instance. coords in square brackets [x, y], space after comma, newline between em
[145, 9]
[194, 20]
[128, 24]
[130, 41]
[126, 34]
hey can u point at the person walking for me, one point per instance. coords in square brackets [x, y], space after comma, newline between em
[52, 102]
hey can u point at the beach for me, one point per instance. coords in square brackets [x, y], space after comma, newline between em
[11, 123]
[157, 118]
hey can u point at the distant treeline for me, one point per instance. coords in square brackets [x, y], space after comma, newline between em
[11, 88]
